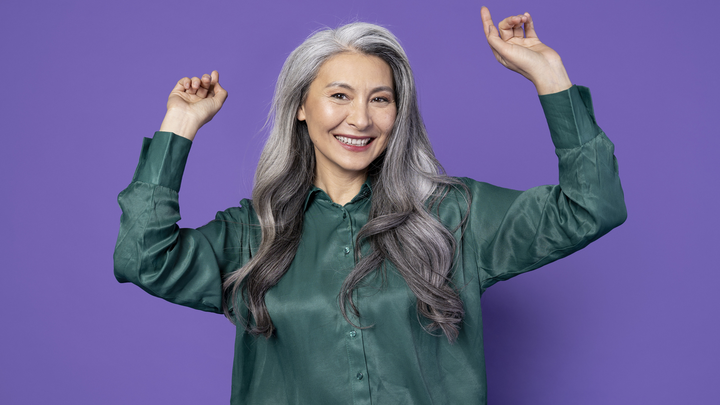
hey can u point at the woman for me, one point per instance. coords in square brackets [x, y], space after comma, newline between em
[358, 261]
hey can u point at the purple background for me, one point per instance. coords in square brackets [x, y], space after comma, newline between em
[631, 319]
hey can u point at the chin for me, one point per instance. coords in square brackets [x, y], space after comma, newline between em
[356, 167]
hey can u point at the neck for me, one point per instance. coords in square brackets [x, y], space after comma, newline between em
[340, 187]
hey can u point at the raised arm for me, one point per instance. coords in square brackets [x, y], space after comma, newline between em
[183, 266]
[513, 232]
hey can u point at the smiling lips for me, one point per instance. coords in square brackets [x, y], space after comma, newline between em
[353, 141]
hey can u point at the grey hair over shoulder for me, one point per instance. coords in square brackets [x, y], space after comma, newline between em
[400, 228]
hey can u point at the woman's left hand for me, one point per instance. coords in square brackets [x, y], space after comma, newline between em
[523, 52]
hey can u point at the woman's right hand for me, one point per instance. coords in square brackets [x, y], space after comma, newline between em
[193, 103]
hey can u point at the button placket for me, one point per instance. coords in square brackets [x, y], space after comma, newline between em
[358, 377]
[357, 366]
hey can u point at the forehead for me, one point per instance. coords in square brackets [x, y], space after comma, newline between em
[355, 69]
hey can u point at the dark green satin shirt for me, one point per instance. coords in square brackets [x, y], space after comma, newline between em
[316, 357]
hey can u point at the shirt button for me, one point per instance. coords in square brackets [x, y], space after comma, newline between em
[346, 250]
[359, 376]
[353, 333]
[344, 215]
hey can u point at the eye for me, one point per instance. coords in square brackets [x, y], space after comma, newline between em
[381, 100]
[339, 96]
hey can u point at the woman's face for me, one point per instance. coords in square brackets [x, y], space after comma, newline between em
[349, 110]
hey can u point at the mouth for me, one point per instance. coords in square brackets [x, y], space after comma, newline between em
[353, 141]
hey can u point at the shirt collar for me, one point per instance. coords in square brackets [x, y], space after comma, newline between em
[315, 192]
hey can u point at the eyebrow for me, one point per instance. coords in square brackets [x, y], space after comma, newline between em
[349, 87]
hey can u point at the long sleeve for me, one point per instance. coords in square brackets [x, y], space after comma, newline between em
[183, 266]
[517, 231]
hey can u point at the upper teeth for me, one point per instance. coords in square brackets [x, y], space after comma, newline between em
[353, 141]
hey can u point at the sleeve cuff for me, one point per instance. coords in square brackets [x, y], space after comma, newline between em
[570, 117]
[162, 160]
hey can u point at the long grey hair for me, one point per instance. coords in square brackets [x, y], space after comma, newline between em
[400, 228]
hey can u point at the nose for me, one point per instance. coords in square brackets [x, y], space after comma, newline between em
[359, 116]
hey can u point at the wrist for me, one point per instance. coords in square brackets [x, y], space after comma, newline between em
[180, 123]
[553, 79]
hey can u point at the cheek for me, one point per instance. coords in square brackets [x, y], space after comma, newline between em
[386, 121]
[325, 117]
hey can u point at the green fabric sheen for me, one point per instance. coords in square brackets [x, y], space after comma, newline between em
[316, 356]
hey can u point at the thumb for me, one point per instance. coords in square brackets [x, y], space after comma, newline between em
[486, 20]
[220, 92]
[491, 33]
